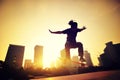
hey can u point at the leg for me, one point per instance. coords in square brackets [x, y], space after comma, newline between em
[67, 50]
[80, 50]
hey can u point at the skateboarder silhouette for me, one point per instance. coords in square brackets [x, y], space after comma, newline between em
[71, 39]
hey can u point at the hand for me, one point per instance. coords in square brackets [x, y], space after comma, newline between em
[84, 27]
[50, 31]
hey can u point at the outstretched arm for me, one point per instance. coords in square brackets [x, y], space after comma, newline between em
[56, 32]
[83, 28]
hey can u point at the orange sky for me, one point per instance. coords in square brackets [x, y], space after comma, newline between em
[26, 22]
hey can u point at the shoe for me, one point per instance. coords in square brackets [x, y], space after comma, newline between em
[82, 60]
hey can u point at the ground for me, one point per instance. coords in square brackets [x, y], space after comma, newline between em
[102, 75]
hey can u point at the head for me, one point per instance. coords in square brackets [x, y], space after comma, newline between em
[73, 24]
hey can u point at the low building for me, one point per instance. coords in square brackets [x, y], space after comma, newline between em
[111, 55]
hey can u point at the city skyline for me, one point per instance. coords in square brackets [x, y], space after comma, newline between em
[13, 50]
[27, 23]
[109, 60]
[15, 57]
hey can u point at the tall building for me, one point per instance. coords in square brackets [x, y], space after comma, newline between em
[38, 56]
[88, 58]
[15, 55]
[111, 55]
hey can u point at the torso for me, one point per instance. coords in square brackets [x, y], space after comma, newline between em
[71, 35]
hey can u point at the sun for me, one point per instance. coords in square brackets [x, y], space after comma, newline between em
[52, 50]
[50, 56]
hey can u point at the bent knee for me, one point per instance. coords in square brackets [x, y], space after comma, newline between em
[79, 44]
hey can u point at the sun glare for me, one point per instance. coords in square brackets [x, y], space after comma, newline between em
[52, 49]
[51, 52]
[49, 57]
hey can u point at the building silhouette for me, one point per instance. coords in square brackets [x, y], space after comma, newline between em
[61, 61]
[111, 55]
[14, 56]
[75, 61]
[38, 56]
[88, 58]
[28, 63]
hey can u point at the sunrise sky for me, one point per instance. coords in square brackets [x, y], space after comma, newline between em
[26, 22]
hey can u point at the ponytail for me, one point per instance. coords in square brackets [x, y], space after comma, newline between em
[70, 22]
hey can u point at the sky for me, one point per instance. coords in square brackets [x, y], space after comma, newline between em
[26, 22]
